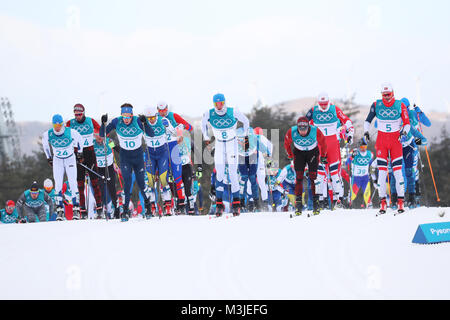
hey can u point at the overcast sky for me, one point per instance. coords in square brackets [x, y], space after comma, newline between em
[103, 53]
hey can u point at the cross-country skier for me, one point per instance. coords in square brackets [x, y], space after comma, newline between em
[421, 119]
[410, 144]
[104, 153]
[305, 143]
[48, 187]
[287, 180]
[223, 121]
[361, 161]
[9, 214]
[328, 118]
[130, 130]
[31, 205]
[188, 175]
[86, 127]
[158, 158]
[393, 122]
[265, 148]
[67, 147]
[174, 154]
[248, 167]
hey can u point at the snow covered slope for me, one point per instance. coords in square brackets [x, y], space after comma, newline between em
[346, 254]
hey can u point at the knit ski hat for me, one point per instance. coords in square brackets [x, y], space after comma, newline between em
[78, 108]
[34, 186]
[10, 203]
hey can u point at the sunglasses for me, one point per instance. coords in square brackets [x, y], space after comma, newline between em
[34, 193]
[10, 208]
[127, 116]
[219, 103]
[153, 118]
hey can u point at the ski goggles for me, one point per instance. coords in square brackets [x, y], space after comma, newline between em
[363, 148]
[152, 118]
[302, 126]
[219, 104]
[79, 114]
[57, 126]
[127, 116]
[34, 193]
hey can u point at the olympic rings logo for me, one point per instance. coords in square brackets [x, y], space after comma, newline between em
[221, 123]
[324, 116]
[34, 203]
[388, 113]
[83, 129]
[61, 142]
[128, 131]
[158, 131]
[304, 142]
[363, 161]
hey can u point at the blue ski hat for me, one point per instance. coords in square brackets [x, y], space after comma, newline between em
[218, 97]
[405, 102]
[126, 108]
[57, 119]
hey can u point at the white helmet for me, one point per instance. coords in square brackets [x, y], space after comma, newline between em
[386, 88]
[323, 99]
[162, 105]
[48, 184]
[150, 112]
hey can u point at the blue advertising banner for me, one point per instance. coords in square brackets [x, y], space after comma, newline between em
[432, 233]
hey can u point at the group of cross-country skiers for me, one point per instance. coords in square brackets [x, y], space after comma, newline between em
[154, 151]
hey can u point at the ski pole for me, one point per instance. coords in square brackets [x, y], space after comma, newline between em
[107, 177]
[90, 170]
[429, 162]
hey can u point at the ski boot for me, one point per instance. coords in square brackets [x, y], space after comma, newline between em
[298, 207]
[242, 205]
[100, 214]
[84, 213]
[394, 201]
[316, 206]
[181, 206]
[124, 216]
[400, 205]
[383, 206]
[236, 207]
[251, 206]
[191, 206]
[76, 213]
[411, 203]
[338, 204]
[117, 213]
[60, 214]
[168, 208]
[149, 208]
[219, 208]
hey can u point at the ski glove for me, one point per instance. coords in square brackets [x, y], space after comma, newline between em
[420, 141]
[50, 162]
[323, 160]
[367, 136]
[246, 143]
[165, 122]
[349, 139]
[80, 157]
[142, 118]
[269, 163]
[105, 118]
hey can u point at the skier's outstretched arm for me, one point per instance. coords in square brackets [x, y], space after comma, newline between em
[205, 121]
[242, 118]
[46, 145]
